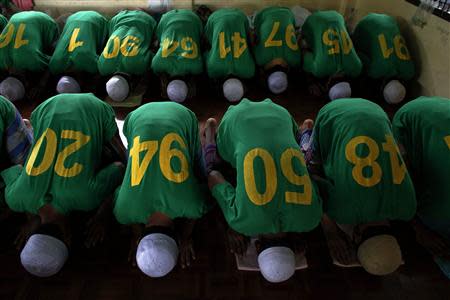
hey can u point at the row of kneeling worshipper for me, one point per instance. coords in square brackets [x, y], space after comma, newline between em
[352, 171]
[227, 45]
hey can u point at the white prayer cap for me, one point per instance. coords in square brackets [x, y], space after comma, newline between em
[380, 255]
[277, 264]
[233, 90]
[300, 14]
[12, 89]
[43, 255]
[157, 254]
[394, 92]
[68, 85]
[177, 90]
[340, 90]
[277, 82]
[117, 88]
[159, 6]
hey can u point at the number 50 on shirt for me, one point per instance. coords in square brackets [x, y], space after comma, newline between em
[271, 179]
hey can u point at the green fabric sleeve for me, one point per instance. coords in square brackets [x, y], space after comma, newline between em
[11, 174]
[110, 126]
[107, 179]
[225, 194]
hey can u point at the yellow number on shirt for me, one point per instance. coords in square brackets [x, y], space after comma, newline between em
[334, 42]
[331, 38]
[400, 48]
[190, 48]
[447, 140]
[270, 42]
[239, 45]
[363, 162]
[168, 47]
[138, 169]
[383, 46]
[347, 44]
[271, 180]
[116, 45]
[223, 51]
[304, 198]
[19, 37]
[397, 166]
[73, 44]
[50, 150]
[166, 154]
[289, 36]
[249, 176]
[128, 48]
[80, 140]
[6, 38]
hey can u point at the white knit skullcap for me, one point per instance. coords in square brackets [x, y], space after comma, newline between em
[12, 89]
[159, 6]
[68, 85]
[43, 255]
[277, 82]
[300, 14]
[233, 90]
[177, 90]
[157, 254]
[117, 88]
[340, 90]
[394, 92]
[277, 264]
[380, 255]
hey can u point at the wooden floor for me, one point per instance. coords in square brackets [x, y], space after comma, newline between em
[104, 273]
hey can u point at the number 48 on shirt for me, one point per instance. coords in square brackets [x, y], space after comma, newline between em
[398, 168]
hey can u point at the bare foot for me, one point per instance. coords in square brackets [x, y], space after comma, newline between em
[307, 124]
[210, 131]
[27, 123]
[237, 242]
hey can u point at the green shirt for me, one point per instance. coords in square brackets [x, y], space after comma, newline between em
[276, 38]
[227, 32]
[382, 48]
[3, 22]
[26, 42]
[332, 49]
[81, 42]
[128, 47]
[422, 126]
[7, 115]
[63, 168]
[164, 149]
[366, 178]
[179, 53]
[273, 191]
